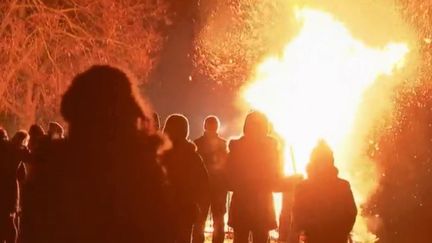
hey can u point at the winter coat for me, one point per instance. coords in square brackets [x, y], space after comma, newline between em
[254, 170]
[96, 189]
[213, 150]
[187, 178]
[324, 209]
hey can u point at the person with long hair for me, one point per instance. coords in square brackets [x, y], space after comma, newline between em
[103, 182]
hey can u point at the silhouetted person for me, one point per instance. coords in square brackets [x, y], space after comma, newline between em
[213, 151]
[102, 183]
[4, 143]
[187, 176]
[7, 190]
[19, 153]
[55, 131]
[13, 154]
[254, 170]
[37, 137]
[324, 209]
[3, 135]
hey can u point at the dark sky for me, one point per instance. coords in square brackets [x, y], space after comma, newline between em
[175, 87]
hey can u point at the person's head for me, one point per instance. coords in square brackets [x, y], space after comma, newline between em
[211, 124]
[55, 130]
[321, 162]
[36, 131]
[256, 125]
[102, 99]
[3, 134]
[20, 138]
[176, 127]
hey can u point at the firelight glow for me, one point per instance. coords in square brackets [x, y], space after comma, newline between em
[313, 90]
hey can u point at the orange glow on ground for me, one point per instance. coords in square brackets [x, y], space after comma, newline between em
[314, 88]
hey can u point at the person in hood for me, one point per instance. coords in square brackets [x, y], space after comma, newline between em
[102, 183]
[254, 171]
[213, 150]
[324, 209]
[187, 177]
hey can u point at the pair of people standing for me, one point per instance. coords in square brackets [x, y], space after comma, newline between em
[197, 177]
[251, 170]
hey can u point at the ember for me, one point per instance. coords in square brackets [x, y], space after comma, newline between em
[313, 91]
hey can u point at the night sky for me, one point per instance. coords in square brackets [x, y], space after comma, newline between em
[176, 87]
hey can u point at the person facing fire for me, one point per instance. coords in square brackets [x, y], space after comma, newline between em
[187, 177]
[324, 210]
[3, 135]
[37, 137]
[55, 131]
[13, 155]
[254, 171]
[103, 183]
[7, 190]
[213, 150]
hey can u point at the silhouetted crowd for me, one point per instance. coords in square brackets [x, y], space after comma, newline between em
[117, 177]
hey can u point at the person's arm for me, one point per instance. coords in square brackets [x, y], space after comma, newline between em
[202, 186]
[299, 211]
[288, 183]
[275, 177]
[230, 168]
[350, 208]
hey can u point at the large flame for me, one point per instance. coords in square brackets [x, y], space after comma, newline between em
[314, 88]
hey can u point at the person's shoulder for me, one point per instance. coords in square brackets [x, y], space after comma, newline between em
[199, 140]
[271, 140]
[4, 144]
[190, 146]
[57, 147]
[221, 140]
[303, 184]
[152, 141]
[235, 142]
[342, 183]
[302, 188]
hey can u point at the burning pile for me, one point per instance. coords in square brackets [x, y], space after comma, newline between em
[314, 90]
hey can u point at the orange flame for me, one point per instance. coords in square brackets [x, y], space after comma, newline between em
[314, 89]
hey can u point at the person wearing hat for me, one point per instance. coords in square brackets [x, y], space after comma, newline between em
[324, 209]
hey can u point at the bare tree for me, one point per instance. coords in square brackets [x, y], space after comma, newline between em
[45, 42]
